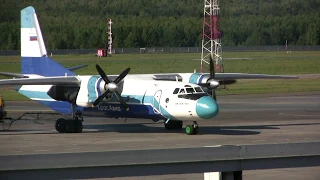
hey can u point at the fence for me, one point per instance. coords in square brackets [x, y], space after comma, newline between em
[172, 50]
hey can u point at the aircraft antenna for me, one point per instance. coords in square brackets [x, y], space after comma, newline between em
[211, 36]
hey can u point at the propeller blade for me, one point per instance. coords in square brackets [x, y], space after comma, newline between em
[102, 74]
[212, 76]
[100, 98]
[123, 103]
[122, 75]
[212, 69]
[214, 96]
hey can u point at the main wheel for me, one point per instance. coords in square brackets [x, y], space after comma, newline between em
[61, 125]
[190, 129]
[78, 126]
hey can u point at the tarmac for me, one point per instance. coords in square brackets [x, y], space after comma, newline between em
[243, 119]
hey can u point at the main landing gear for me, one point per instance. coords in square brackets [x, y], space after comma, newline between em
[175, 124]
[73, 125]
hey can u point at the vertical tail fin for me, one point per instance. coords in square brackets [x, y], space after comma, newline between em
[34, 58]
[32, 44]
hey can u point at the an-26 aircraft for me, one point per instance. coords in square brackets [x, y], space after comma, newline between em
[172, 98]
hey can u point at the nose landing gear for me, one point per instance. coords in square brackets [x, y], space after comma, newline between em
[192, 129]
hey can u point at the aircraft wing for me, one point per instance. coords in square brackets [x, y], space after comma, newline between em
[221, 76]
[62, 80]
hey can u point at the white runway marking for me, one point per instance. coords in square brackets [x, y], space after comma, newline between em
[42, 150]
[308, 115]
[212, 146]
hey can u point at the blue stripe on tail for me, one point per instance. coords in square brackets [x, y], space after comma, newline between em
[43, 66]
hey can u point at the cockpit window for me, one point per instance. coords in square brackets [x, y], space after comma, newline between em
[198, 89]
[192, 96]
[181, 91]
[190, 90]
[176, 91]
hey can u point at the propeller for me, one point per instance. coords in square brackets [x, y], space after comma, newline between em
[111, 87]
[212, 77]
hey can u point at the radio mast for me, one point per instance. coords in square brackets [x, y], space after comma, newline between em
[211, 35]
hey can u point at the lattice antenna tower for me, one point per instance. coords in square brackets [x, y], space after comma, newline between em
[211, 35]
[109, 37]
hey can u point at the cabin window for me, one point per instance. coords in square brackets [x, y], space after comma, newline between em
[176, 91]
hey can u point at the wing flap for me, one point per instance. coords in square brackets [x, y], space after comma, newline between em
[68, 80]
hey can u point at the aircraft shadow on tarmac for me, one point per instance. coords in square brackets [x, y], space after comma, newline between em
[221, 130]
[144, 128]
[154, 128]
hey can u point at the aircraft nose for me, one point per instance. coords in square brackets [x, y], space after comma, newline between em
[207, 107]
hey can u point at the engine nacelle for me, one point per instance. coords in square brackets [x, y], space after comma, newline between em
[91, 88]
[204, 80]
[63, 93]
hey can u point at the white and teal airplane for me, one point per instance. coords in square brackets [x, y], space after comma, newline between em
[172, 98]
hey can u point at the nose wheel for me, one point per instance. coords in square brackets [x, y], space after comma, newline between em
[192, 129]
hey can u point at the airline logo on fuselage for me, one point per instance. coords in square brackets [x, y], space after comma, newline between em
[109, 108]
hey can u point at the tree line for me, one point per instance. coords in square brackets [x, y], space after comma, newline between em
[82, 24]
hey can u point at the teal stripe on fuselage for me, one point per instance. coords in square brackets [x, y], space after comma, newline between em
[92, 88]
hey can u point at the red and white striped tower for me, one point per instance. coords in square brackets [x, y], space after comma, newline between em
[211, 35]
[109, 37]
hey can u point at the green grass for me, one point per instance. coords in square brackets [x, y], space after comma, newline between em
[299, 62]
[272, 86]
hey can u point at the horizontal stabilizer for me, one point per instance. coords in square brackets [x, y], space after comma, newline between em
[69, 80]
[77, 67]
[16, 75]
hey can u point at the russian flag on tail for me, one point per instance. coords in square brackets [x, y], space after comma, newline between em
[33, 38]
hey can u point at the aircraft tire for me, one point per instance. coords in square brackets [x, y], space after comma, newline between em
[195, 127]
[61, 125]
[196, 130]
[190, 130]
[78, 126]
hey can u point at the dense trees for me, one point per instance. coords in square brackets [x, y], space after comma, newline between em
[74, 24]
